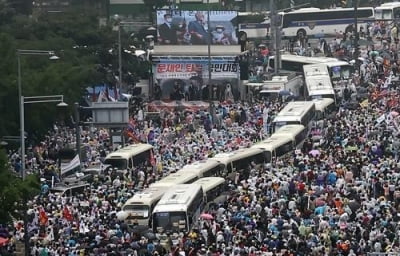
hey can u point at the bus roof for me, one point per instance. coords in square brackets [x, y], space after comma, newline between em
[388, 5]
[179, 177]
[295, 108]
[321, 104]
[313, 9]
[226, 158]
[272, 142]
[209, 183]
[319, 85]
[129, 151]
[177, 198]
[200, 166]
[290, 129]
[146, 197]
[330, 62]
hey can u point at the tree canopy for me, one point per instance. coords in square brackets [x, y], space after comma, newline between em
[14, 191]
[76, 38]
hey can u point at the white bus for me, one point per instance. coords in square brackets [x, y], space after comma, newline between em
[179, 177]
[141, 205]
[295, 112]
[179, 209]
[297, 132]
[239, 160]
[275, 146]
[204, 168]
[388, 12]
[323, 22]
[318, 82]
[323, 107]
[213, 187]
[251, 25]
[338, 70]
[130, 156]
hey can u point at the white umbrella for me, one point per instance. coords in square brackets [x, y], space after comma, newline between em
[121, 215]
[139, 52]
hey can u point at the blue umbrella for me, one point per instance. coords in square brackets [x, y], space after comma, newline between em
[284, 93]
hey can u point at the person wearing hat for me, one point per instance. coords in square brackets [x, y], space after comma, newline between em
[219, 36]
[167, 32]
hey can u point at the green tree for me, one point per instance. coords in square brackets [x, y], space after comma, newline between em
[13, 191]
[77, 39]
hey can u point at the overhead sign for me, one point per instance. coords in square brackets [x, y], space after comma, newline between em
[187, 70]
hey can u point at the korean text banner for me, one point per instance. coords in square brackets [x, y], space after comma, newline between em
[191, 28]
[188, 70]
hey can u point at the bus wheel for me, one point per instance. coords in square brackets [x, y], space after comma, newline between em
[301, 33]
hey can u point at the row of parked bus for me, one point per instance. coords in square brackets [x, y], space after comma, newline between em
[173, 203]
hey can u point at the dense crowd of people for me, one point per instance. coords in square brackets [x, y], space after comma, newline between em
[340, 196]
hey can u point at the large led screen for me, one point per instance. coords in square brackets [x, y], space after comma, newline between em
[191, 27]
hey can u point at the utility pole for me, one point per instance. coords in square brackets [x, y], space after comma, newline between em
[276, 35]
[77, 129]
[356, 34]
[210, 91]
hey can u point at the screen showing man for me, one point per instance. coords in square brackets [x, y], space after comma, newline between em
[198, 34]
[192, 28]
[167, 32]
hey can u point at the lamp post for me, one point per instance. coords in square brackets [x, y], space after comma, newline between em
[32, 100]
[210, 89]
[20, 98]
[23, 101]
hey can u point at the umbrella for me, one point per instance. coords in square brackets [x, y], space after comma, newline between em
[139, 52]
[121, 215]
[284, 93]
[150, 235]
[364, 42]
[206, 216]
[354, 205]
[3, 241]
[394, 113]
[314, 152]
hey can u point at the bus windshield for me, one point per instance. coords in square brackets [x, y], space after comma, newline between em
[340, 72]
[120, 164]
[141, 211]
[383, 14]
[169, 221]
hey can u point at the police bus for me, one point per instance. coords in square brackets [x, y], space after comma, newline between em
[297, 132]
[204, 168]
[323, 22]
[295, 112]
[179, 209]
[130, 156]
[388, 12]
[338, 70]
[140, 207]
[275, 146]
[179, 177]
[323, 108]
[213, 187]
[239, 160]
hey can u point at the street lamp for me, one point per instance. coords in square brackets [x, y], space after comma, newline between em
[32, 100]
[23, 101]
[20, 52]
